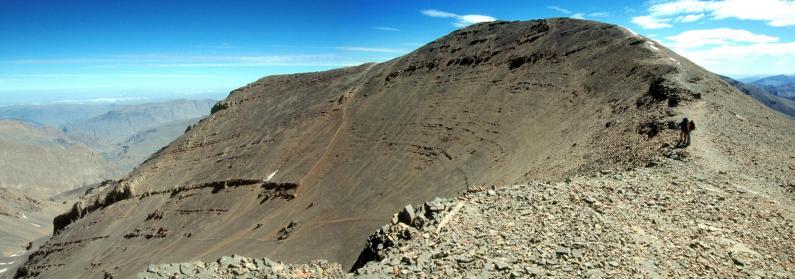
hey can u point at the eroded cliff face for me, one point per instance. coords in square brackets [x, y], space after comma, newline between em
[492, 104]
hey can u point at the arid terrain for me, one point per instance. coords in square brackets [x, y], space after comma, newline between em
[550, 145]
[44, 170]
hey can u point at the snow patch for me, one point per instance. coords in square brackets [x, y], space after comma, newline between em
[3, 270]
[271, 176]
[7, 263]
[672, 59]
[652, 46]
[17, 254]
[629, 30]
[37, 225]
[23, 216]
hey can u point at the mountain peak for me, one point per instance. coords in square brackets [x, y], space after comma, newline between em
[305, 166]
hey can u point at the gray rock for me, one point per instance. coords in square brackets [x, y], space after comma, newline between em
[187, 268]
[420, 221]
[739, 261]
[407, 215]
[562, 251]
[436, 205]
[152, 268]
[262, 262]
[463, 259]
[501, 265]
[233, 261]
[168, 269]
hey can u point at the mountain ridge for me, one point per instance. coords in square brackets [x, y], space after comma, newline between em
[328, 156]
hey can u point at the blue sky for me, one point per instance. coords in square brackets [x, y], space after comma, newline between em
[80, 50]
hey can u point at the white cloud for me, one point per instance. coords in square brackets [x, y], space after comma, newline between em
[752, 59]
[650, 22]
[578, 16]
[734, 51]
[371, 49]
[718, 36]
[386, 28]
[461, 20]
[778, 13]
[559, 9]
[437, 13]
[599, 14]
[689, 18]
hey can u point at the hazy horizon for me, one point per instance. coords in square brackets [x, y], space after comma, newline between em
[79, 51]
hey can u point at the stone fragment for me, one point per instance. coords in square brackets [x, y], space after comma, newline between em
[233, 261]
[152, 268]
[168, 269]
[738, 261]
[501, 265]
[562, 251]
[407, 215]
[187, 268]
[436, 205]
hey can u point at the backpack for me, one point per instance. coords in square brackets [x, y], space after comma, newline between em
[692, 125]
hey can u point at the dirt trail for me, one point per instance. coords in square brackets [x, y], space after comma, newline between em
[702, 147]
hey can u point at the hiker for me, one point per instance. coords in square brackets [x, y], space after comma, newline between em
[685, 127]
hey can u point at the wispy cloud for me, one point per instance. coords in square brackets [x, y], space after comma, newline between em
[577, 15]
[689, 18]
[559, 9]
[650, 22]
[372, 49]
[717, 37]
[461, 20]
[386, 28]
[777, 13]
[198, 61]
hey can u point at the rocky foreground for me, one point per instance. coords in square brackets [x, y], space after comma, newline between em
[672, 220]
[243, 267]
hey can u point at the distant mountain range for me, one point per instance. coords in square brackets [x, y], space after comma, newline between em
[42, 161]
[54, 115]
[128, 135]
[768, 91]
[117, 136]
[780, 85]
[52, 153]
